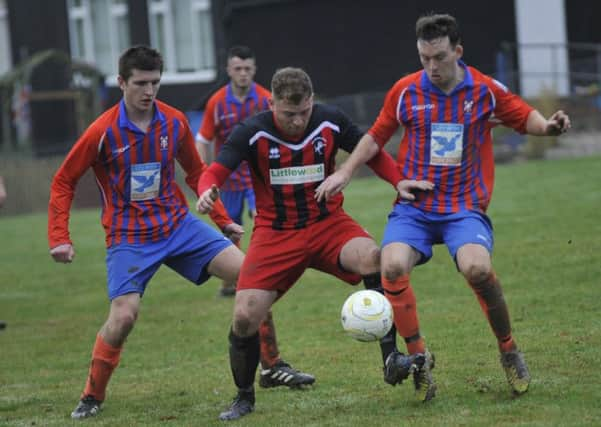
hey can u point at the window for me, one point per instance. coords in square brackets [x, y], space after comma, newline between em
[99, 32]
[182, 31]
[5, 54]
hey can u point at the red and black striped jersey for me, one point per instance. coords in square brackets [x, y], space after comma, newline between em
[135, 173]
[447, 138]
[223, 112]
[286, 173]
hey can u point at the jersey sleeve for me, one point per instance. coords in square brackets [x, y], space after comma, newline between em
[387, 123]
[194, 167]
[510, 109]
[62, 189]
[350, 134]
[206, 132]
[236, 148]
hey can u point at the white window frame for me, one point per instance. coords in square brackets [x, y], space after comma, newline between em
[168, 48]
[83, 13]
[6, 62]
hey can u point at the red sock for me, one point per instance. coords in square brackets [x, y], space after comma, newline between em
[492, 302]
[270, 354]
[401, 297]
[104, 360]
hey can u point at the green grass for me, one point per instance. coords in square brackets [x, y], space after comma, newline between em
[174, 369]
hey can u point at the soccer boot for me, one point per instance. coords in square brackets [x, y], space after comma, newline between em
[425, 388]
[398, 366]
[243, 404]
[283, 374]
[516, 371]
[87, 407]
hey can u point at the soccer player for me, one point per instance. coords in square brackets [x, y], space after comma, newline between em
[232, 103]
[132, 149]
[239, 99]
[446, 160]
[290, 150]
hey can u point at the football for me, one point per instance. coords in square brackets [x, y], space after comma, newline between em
[366, 315]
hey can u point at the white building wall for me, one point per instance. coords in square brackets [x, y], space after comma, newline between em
[542, 46]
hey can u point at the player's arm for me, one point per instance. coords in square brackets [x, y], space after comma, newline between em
[335, 183]
[62, 190]
[538, 125]
[232, 153]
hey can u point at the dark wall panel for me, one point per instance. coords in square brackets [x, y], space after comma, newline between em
[361, 45]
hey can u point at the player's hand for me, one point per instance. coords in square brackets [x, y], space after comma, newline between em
[207, 199]
[408, 187]
[332, 185]
[558, 123]
[234, 232]
[63, 253]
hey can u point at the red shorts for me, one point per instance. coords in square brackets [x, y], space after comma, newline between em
[276, 259]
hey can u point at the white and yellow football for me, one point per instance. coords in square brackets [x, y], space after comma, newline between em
[366, 315]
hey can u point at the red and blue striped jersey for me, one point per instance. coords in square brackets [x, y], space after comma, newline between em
[448, 137]
[223, 112]
[135, 173]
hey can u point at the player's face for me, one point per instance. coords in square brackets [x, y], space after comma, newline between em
[439, 59]
[241, 71]
[140, 89]
[292, 119]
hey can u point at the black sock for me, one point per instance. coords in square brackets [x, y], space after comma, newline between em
[388, 341]
[244, 359]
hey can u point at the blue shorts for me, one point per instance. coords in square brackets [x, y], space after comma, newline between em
[234, 203]
[188, 251]
[421, 230]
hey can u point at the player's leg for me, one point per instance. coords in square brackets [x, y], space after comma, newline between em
[407, 242]
[273, 263]
[250, 308]
[249, 194]
[474, 262]
[124, 290]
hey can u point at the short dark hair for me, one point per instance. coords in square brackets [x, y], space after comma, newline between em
[291, 84]
[242, 52]
[141, 58]
[434, 26]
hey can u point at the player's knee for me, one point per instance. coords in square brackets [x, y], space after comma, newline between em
[477, 273]
[123, 321]
[370, 261]
[394, 270]
[244, 325]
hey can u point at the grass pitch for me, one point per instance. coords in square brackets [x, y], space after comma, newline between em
[174, 369]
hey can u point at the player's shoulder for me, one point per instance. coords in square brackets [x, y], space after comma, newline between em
[481, 78]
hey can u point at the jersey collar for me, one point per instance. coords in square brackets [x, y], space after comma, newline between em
[124, 121]
[252, 94]
[468, 81]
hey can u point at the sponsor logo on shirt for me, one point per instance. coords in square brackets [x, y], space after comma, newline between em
[421, 107]
[120, 150]
[297, 174]
[145, 181]
[446, 144]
